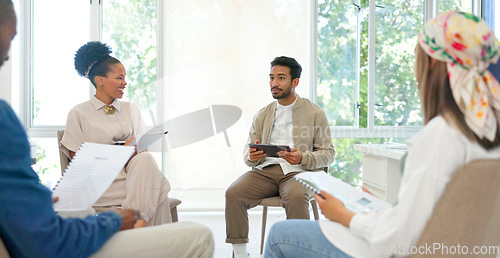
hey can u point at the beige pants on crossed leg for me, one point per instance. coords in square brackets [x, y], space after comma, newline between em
[179, 240]
[140, 185]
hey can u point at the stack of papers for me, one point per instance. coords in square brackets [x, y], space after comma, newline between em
[89, 174]
[354, 199]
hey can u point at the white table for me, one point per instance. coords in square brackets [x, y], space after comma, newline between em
[382, 165]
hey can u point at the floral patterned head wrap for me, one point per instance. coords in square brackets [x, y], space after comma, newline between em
[468, 46]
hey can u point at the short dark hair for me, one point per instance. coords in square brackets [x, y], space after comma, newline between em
[295, 68]
[6, 11]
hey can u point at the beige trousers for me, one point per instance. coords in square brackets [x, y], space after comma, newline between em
[180, 239]
[141, 186]
[249, 190]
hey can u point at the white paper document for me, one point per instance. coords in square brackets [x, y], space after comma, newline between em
[151, 136]
[89, 174]
[354, 199]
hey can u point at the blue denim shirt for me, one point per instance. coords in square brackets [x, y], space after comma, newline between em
[29, 227]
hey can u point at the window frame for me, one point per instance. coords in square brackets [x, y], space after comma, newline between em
[26, 63]
[372, 130]
[96, 12]
[95, 33]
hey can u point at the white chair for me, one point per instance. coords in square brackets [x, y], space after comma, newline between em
[64, 160]
[275, 201]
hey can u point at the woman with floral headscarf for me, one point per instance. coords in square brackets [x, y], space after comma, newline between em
[461, 103]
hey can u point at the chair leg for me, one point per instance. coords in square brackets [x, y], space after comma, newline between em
[264, 220]
[175, 217]
[314, 206]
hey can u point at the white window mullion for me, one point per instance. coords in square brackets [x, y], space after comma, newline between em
[95, 29]
[313, 90]
[161, 115]
[477, 8]
[377, 132]
[371, 65]
[430, 9]
[357, 107]
[25, 93]
[95, 20]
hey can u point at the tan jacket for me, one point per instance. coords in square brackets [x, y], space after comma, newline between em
[311, 133]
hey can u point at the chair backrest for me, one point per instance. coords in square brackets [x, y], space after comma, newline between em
[468, 212]
[63, 159]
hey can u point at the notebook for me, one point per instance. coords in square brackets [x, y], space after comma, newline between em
[354, 199]
[89, 174]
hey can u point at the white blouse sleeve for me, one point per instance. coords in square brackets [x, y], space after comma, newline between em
[433, 156]
[137, 122]
[73, 135]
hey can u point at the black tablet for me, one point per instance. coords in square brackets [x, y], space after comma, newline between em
[270, 150]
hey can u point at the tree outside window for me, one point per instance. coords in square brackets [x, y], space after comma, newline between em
[343, 69]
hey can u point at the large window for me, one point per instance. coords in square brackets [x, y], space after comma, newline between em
[344, 62]
[56, 37]
[338, 61]
[193, 60]
[129, 27]
[397, 24]
[219, 53]
[184, 59]
[365, 77]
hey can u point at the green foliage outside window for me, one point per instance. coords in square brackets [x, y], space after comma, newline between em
[337, 60]
[343, 66]
[44, 164]
[396, 97]
[342, 26]
[129, 27]
[462, 5]
[397, 102]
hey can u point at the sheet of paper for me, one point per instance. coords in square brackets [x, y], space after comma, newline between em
[151, 136]
[354, 199]
[89, 174]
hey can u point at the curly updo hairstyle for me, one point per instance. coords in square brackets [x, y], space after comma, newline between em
[93, 59]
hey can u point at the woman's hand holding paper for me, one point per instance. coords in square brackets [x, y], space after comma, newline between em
[334, 209]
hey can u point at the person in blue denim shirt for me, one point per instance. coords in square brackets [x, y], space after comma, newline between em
[28, 224]
[27, 215]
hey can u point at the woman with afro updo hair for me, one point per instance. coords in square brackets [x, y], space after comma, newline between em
[105, 119]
